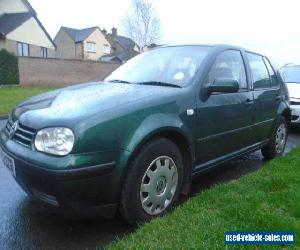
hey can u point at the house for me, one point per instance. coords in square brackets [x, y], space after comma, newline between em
[123, 48]
[88, 44]
[21, 32]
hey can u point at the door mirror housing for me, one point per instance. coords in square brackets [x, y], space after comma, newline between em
[224, 85]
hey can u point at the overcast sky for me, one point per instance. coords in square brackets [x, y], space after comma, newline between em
[270, 27]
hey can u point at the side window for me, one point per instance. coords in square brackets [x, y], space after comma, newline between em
[229, 64]
[259, 71]
[272, 74]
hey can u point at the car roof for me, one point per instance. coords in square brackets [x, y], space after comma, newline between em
[216, 46]
[291, 65]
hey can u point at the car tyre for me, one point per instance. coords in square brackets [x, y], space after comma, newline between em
[153, 182]
[277, 141]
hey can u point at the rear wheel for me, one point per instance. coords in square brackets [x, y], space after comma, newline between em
[153, 182]
[278, 140]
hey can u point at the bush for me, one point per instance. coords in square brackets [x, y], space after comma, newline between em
[9, 70]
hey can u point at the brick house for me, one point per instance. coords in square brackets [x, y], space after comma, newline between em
[123, 48]
[89, 43]
[21, 32]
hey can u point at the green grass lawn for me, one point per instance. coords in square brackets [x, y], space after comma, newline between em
[268, 199]
[10, 96]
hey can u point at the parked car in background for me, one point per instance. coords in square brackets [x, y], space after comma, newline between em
[291, 76]
[134, 141]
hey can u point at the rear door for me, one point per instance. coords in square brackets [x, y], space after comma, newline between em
[266, 94]
[225, 120]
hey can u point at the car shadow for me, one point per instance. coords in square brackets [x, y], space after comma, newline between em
[227, 172]
[35, 226]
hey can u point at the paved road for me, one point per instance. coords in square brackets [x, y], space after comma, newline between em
[30, 225]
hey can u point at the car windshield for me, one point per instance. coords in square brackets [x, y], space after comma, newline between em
[167, 66]
[291, 74]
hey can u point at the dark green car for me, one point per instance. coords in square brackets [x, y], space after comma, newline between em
[134, 141]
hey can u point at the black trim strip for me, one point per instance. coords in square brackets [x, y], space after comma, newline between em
[68, 174]
[233, 131]
[223, 133]
[79, 173]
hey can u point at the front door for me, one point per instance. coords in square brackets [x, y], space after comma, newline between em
[224, 120]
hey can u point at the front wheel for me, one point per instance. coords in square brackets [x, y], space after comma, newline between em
[153, 181]
[276, 145]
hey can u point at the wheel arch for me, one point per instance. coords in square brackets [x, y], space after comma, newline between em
[285, 111]
[287, 114]
[181, 140]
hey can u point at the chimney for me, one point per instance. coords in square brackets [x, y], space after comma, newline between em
[104, 31]
[114, 32]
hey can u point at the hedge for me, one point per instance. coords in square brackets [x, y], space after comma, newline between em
[9, 70]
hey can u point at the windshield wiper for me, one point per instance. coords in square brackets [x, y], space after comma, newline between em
[119, 81]
[157, 83]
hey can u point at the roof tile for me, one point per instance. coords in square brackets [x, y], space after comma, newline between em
[79, 35]
[9, 22]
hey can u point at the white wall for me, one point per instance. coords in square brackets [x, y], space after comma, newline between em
[99, 39]
[30, 32]
[12, 6]
[136, 48]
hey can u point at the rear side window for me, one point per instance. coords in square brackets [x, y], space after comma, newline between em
[259, 71]
[229, 64]
[272, 74]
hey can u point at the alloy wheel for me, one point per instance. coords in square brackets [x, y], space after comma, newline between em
[280, 140]
[159, 185]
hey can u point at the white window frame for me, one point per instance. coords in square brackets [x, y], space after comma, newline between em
[44, 52]
[106, 49]
[90, 47]
[23, 49]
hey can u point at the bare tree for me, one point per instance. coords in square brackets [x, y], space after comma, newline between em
[142, 23]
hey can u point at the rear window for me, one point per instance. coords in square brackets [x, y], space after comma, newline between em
[260, 74]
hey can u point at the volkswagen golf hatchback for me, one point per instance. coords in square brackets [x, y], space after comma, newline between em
[133, 142]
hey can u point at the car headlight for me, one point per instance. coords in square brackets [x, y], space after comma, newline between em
[56, 141]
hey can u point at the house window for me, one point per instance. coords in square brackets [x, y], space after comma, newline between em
[23, 49]
[90, 47]
[44, 52]
[106, 49]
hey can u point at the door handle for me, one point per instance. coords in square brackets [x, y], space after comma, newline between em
[249, 102]
[278, 97]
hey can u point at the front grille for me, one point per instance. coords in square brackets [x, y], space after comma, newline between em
[23, 135]
[8, 126]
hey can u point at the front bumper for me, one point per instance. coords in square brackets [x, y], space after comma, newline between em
[295, 114]
[82, 190]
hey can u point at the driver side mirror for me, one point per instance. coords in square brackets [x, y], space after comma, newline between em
[224, 85]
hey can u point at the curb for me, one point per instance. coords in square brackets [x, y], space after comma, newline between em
[3, 117]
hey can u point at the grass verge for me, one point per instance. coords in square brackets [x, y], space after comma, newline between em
[266, 200]
[10, 96]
